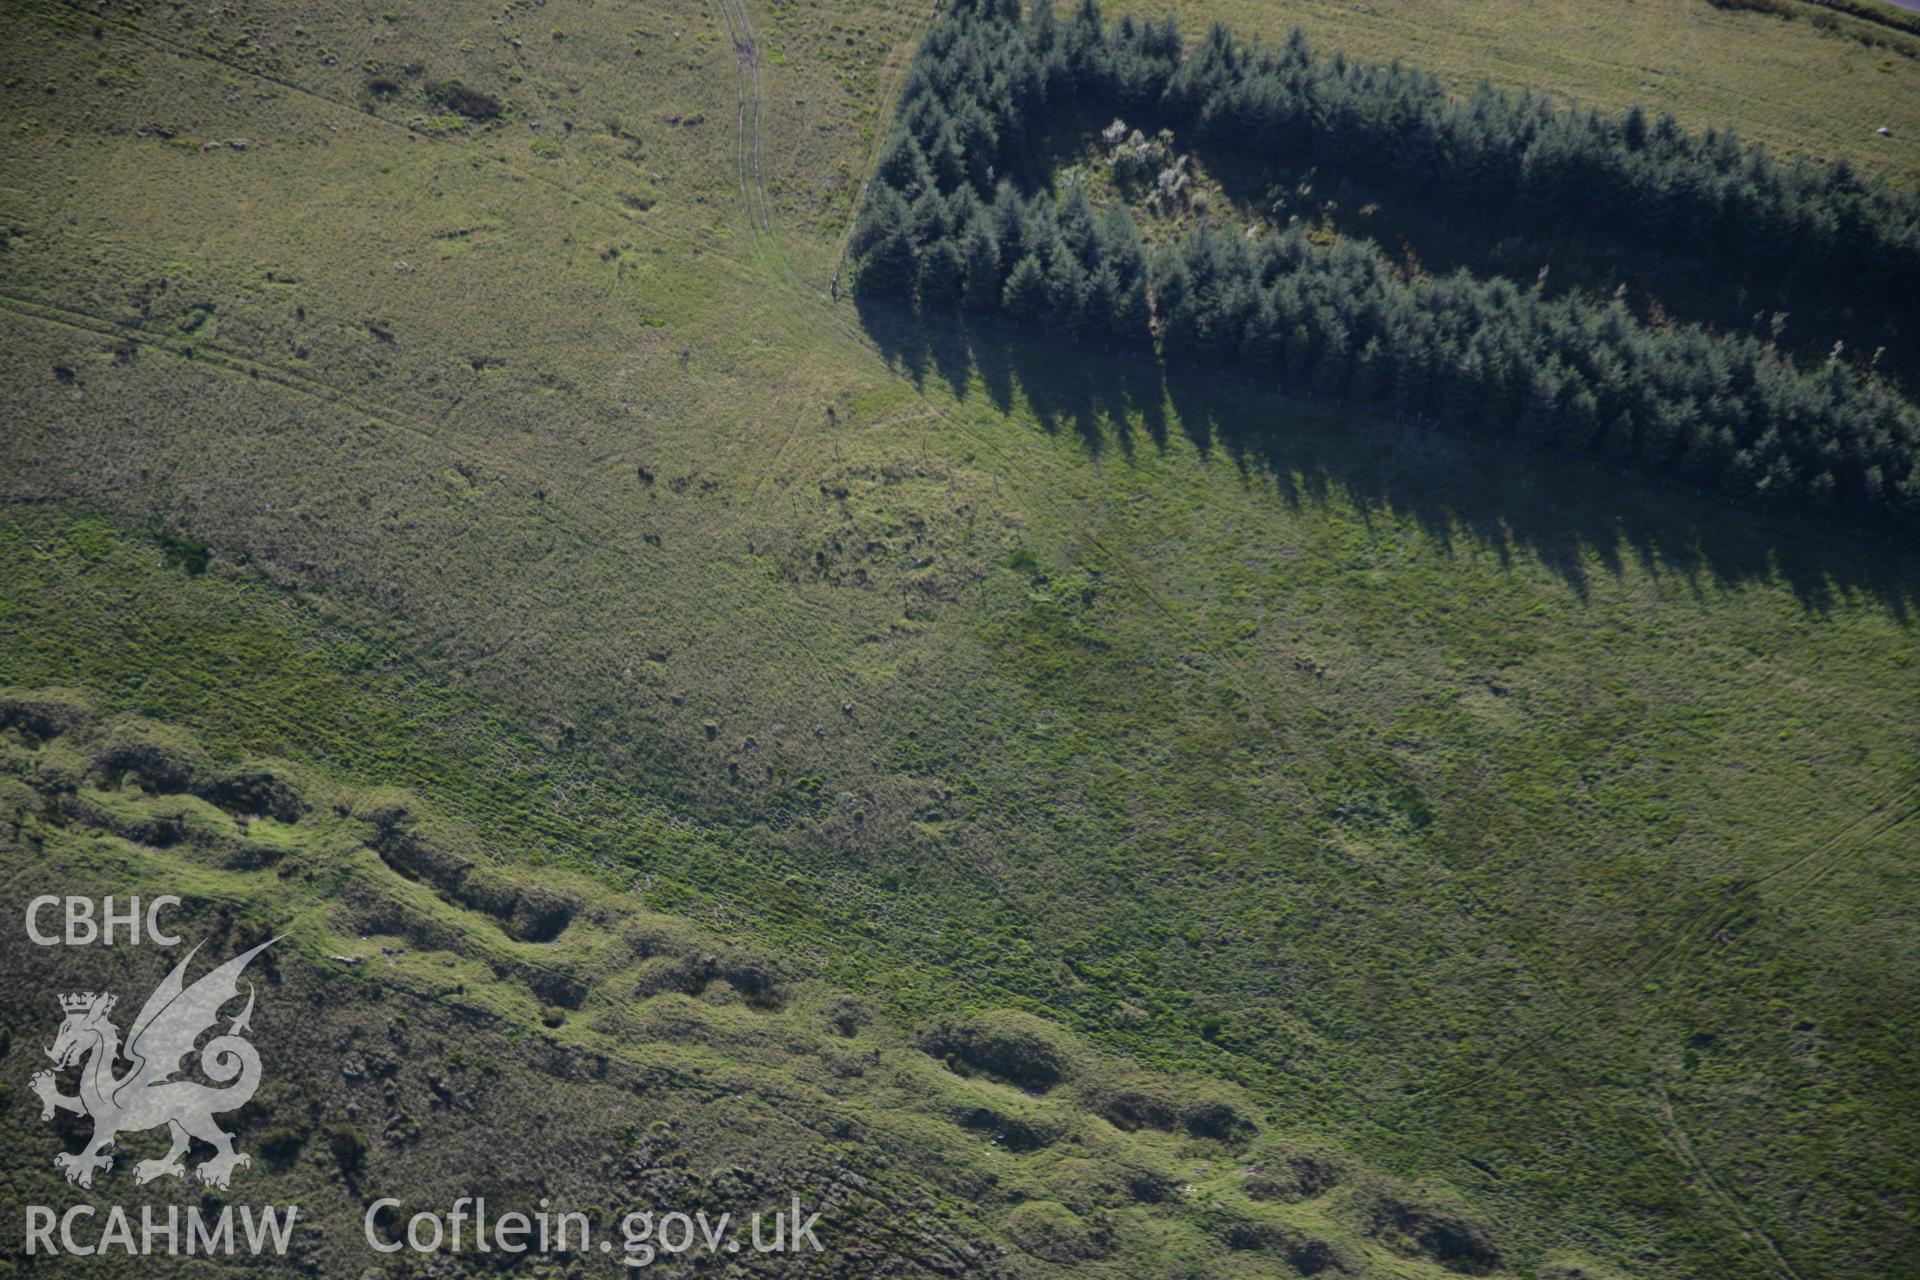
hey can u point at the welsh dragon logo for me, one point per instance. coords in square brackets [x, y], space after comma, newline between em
[146, 1095]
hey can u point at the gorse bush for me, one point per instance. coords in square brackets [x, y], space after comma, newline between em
[946, 221]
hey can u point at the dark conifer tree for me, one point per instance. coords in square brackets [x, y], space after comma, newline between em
[1078, 232]
[929, 219]
[1261, 345]
[1067, 293]
[940, 274]
[902, 167]
[885, 211]
[1027, 296]
[982, 258]
[1102, 298]
[888, 269]
[1131, 316]
[1174, 306]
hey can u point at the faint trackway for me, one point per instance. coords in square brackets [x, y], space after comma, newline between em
[892, 77]
[749, 149]
[751, 166]
[769, 269]
[749, 143]
[1758, 1240]
[211, 359]
[206, 355]
[769, 264]
[1708, 921]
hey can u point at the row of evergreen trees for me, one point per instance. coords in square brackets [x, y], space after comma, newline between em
[942, 225]
[1509, 164]
[1513, 164]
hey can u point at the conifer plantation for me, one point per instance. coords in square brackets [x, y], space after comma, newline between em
[965, 211]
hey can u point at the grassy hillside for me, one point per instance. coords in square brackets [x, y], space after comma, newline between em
[439, 1025]
[1519, 835]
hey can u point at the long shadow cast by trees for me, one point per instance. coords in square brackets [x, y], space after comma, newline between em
[1568, 511]
[1068, 385]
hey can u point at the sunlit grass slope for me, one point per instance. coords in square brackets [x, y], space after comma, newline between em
[1522, 831]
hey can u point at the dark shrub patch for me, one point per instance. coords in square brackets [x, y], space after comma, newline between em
[43, 713]
[281, 1146]
[1298, 1176]
[471, 103]
[1016, 1047]
[1438, 1234]
[256, 789]
[348, 1151]
[1010, 1132]
[190, 554]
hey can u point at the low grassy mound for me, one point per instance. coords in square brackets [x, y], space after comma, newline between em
[713, 1074]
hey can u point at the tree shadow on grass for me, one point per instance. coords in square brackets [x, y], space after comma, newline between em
[1568, 511]
[1100, 391]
